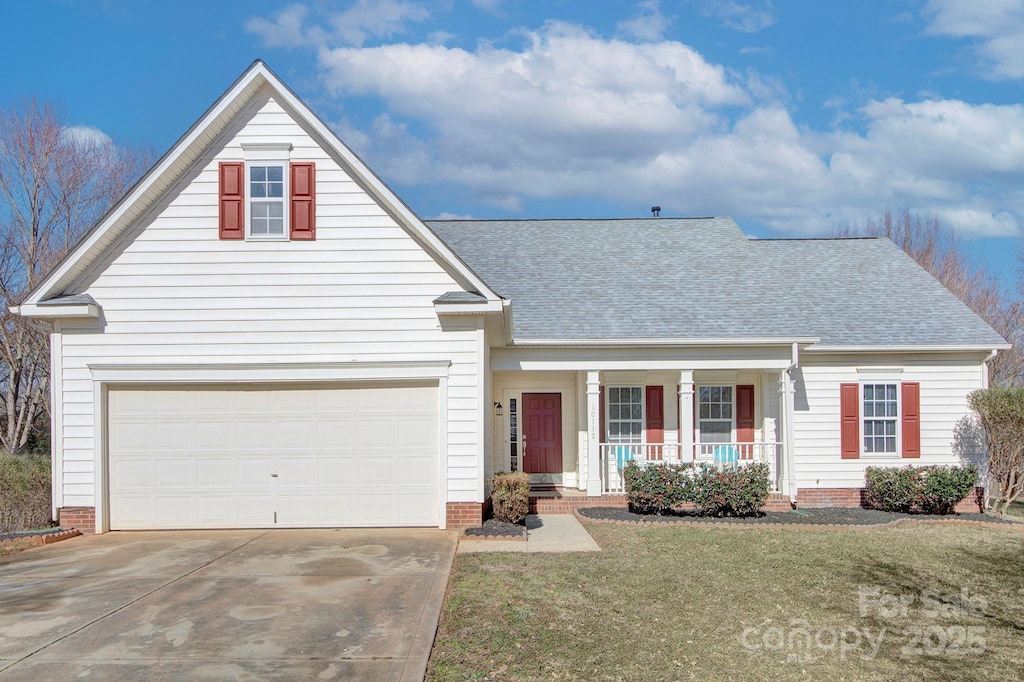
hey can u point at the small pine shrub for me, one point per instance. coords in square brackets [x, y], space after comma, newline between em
[24, 493]
[731, 491]
[656, 488]
[510, 496]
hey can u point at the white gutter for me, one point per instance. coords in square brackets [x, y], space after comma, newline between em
[942, 348]
[735, 341]
[789, 409]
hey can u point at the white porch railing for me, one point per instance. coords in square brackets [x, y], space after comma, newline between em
[615, 456]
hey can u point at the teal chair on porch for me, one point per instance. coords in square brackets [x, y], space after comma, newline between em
[623, 456]
[726, 454]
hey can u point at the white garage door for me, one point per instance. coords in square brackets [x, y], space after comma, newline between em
[270, 456]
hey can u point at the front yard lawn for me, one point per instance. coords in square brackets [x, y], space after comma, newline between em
[679, 603]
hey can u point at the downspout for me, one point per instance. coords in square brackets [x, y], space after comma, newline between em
[984, 366]
[789, 408]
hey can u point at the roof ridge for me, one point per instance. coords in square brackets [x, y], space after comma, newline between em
[565, 220]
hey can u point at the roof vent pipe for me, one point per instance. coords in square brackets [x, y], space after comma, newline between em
[656, 211]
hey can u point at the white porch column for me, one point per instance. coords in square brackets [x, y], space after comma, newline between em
[686, 415]
[593, 434]
[787, 391]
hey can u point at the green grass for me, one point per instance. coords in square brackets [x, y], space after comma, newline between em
[673, 603]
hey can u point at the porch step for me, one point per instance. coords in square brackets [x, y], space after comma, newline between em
[564, 502]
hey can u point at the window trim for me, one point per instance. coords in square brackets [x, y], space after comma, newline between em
[608, 412]
[879, 381]
[696, 412]
[268, 154]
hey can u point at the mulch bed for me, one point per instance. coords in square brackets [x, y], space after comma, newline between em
[833, 516]
[492, 529]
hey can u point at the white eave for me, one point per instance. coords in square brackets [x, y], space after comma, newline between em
[483, 307]
[55, 312]
[170, 167]
[944, 348]
[626, 342]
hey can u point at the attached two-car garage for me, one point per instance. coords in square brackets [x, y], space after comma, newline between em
[221, 456]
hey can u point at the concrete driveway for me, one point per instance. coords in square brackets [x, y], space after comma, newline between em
[291, 604]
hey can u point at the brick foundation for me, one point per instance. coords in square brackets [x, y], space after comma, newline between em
[464, 514]
[82, 518]
[816, 498]
[973, 503]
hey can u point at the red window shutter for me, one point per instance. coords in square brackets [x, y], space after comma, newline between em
[602, 433]
[655, 414]
[303, 208]
[910, 404]
[745, 414]
[849, 409]
[232, 200]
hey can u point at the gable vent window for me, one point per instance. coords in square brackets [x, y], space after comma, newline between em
[267, 205]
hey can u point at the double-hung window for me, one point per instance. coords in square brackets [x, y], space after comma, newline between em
[880, 418]
[625, 414]
[715, 414]
[267, 207]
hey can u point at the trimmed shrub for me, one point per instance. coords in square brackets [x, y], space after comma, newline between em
[944, 486]
[731, 491]
[895, 489]
[510, 496]
[24, 493]
[656, 488]
[927, 489]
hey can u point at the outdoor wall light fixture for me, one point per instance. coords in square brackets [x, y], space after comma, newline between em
[497, 409]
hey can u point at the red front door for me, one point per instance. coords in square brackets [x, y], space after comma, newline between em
[542, 433]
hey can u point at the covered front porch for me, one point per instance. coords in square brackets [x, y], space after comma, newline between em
[573, 430]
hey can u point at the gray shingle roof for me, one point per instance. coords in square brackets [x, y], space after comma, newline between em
[73, 299]
[460, 297]
[702, 278]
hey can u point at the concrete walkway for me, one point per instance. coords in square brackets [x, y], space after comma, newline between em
[266, 605]
[548, 533]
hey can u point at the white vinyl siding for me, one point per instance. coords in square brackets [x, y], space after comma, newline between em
[174, 293]
[945, 381]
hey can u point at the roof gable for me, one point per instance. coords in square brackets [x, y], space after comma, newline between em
[173, 164]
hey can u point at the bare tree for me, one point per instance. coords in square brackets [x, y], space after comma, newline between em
[55, 182]
[939, 251]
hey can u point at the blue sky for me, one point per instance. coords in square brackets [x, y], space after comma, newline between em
[792, 117]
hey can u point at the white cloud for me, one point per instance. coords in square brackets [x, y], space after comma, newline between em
[285, 30]
[86, 136]
[445, 215]
[569, 114]
[738, 16]
[648, 23]
[376, 19]
[361, 21]
[995, 26]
